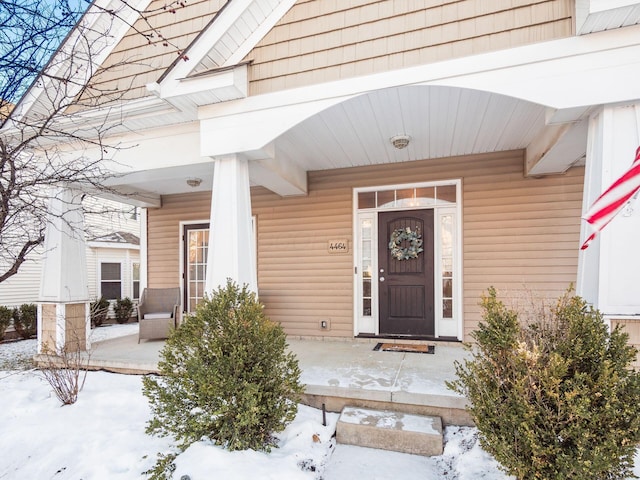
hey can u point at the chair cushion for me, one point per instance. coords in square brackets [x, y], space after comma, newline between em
[151, 316]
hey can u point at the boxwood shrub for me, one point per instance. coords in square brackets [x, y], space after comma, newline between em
[225, 376]
[556, 397]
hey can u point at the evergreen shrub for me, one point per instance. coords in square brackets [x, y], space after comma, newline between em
[25, 320]
[555, 397]
[6, 315]
[225, 376]
[123, 309]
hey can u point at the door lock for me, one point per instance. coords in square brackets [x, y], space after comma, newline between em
[382, 279]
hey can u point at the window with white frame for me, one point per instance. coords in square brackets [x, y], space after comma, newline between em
[111, 280]
[135, 276]
[196, 247]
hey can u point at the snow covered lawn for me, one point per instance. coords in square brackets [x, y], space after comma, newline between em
[102, 437]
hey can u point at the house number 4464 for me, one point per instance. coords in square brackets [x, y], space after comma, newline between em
[338, 246]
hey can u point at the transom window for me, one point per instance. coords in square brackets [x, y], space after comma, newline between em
[438, 195]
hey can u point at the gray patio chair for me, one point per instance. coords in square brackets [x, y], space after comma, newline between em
[158, 312]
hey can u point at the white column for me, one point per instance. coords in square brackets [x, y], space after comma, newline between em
[231, 250]
[64, 292]
[608, 269]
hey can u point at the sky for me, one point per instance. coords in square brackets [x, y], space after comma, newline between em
[30, 31]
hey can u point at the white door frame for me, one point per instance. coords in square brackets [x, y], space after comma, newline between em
[444, 327]
[181, 272]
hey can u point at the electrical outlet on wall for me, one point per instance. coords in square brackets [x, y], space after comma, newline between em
[325, 324]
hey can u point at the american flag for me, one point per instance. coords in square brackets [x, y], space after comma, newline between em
[613, 199]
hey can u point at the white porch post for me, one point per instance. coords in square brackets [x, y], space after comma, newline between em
[608, 269]
[231, 251]
[63, 309]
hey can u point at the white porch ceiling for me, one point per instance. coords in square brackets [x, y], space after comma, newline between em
[441, 121]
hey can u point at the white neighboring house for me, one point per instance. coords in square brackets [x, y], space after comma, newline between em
[113, 265]
[113, 257]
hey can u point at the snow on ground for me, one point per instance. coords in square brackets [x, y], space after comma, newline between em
[463, 459]
[102, 436]
[18, 354]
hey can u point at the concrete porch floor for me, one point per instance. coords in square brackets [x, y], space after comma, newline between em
[336, 373]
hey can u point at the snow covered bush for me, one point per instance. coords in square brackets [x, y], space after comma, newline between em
[25, 320]
[225, 376]
[555, 397]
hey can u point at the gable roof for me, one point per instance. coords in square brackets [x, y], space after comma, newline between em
[598, 16]
[211, 69]
[161, 56]
[117, 237]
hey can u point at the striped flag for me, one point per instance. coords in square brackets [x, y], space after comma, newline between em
[613, 199]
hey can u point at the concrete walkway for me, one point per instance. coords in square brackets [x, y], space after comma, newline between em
[336, 373]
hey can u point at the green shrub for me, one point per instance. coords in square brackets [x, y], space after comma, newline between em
[99, 310]
[225, 376]
[123, 309]
[25, 320]
[554, 398]
[6, 315]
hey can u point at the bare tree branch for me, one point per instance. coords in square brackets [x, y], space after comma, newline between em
[46, 138]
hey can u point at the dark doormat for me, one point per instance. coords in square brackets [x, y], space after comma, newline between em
[404, 347]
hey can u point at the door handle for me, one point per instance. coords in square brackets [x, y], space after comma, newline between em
[382, 279]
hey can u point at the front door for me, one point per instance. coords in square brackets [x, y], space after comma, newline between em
[406, 302]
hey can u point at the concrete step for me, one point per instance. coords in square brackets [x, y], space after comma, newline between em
[387, 430]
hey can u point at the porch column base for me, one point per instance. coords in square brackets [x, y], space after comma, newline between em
[63, 327]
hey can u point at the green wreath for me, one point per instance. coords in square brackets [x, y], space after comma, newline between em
[400, 235]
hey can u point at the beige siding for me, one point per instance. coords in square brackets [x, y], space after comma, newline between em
[632, 327]
[163, 230]
[48, 320]
[518, 234]
[299, 281]
[319, 41]
[138, 60]
[75, 327]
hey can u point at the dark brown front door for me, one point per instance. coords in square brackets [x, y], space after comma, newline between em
[406, 285]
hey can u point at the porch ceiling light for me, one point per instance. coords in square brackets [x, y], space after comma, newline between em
[400, 141]
[194, 182]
